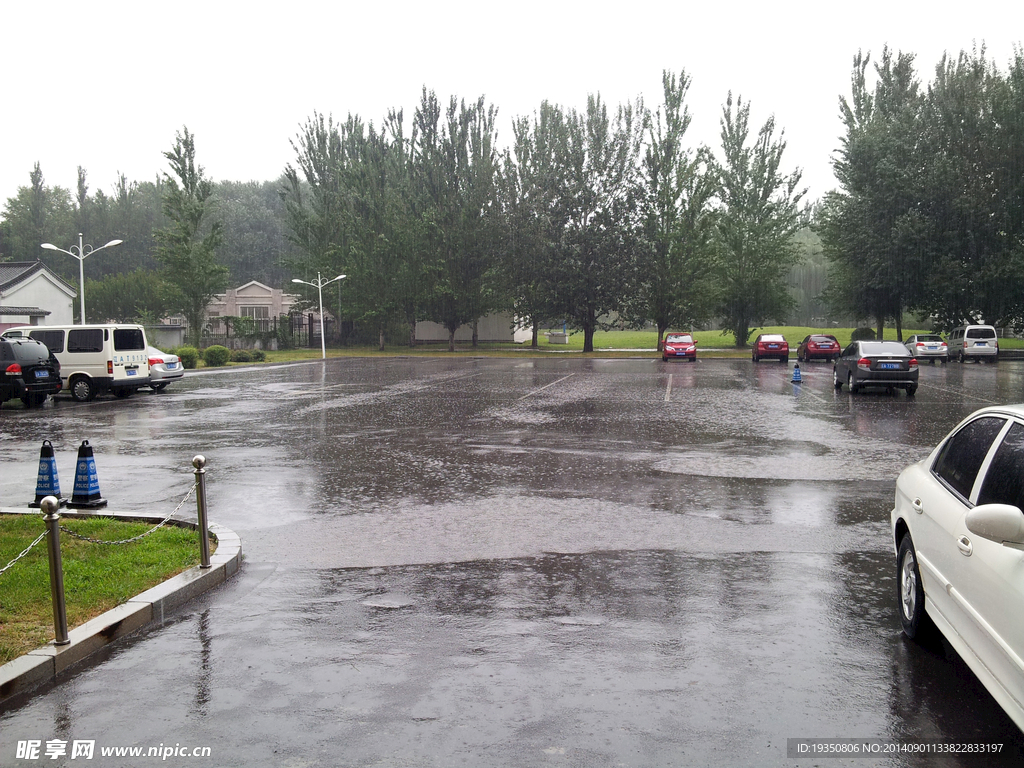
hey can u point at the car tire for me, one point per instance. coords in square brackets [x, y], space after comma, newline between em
[664, 359]
[123, 392]
[159, 387]
[910, 591]
[911, 390]
[852, 384]
[784, 360]
[961, 359]
[34, 399]
[82, 389]
[835, 379]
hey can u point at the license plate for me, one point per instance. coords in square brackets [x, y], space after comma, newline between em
[773, 346]
[171, 366]
[889, 366]
[130, 372]
[932, 349]
[981, 343]
[42, 374]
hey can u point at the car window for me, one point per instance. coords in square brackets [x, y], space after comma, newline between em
[126, 339]
[54, 340]
[1004, 480]
[960, 458]
[28, 352]
[980, 333]
[85, 340]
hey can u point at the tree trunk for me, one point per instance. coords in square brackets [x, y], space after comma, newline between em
[662, 327]
[451, 340]
[742, 331]
[381, 347]
[899, 327]
[880, 331]
[412, 333]
[536, 334]
[476, 334]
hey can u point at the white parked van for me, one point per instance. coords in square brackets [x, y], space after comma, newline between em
[95, 358]
[977, 341]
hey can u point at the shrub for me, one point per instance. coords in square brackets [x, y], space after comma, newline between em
[189, 356]
[241, 356]
[863, 334]
[216, 355]
[259, 356]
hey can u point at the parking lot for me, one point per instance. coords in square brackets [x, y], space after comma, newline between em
[496, 562]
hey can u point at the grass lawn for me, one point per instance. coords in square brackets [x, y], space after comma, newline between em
[606, 344]
[97, 577]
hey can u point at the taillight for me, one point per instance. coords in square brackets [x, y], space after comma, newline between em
[864, 364]
[920, 344]
[14, 369]
[913, 363]
[155, 361]
[110, 367]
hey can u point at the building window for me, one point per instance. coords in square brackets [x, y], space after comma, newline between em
[260, 314]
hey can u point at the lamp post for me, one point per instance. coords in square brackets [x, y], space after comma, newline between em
[79, 252]
[319, 284]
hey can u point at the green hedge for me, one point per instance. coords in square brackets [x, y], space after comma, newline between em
[216, 356]
[189, 356]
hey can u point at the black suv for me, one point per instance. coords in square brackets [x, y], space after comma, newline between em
[28, 371]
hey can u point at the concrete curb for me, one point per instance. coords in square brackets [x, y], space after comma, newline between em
[49, 662]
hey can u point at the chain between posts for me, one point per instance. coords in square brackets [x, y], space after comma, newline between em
[23, 553]
[156, 527]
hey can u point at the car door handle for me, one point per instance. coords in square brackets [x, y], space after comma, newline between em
[918, 505]
[965, 546]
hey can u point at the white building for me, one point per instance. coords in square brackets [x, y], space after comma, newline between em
[33, 294]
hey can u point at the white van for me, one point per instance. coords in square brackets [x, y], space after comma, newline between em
[95, 358]
[977, 341]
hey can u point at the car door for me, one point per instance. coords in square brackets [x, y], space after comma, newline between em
[987, 581]
[941, 500]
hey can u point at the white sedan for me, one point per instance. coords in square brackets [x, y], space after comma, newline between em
[163, 368]
[959, 536]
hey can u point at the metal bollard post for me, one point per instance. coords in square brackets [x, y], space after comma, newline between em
[51, 516]
[199, 462]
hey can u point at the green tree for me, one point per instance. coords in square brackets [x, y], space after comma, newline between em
[597, 252]
[754, 229]
[187, 246]
[874, 228]
[680, 185]
[128, 297]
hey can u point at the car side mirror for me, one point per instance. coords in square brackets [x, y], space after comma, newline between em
[1002, 523]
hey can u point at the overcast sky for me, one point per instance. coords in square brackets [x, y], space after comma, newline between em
[106, 84]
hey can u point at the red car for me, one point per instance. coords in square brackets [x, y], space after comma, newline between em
[771, 345]
[679, 345]
[818, 346]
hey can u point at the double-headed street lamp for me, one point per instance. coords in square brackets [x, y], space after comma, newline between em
[319, 284]
[79, 252]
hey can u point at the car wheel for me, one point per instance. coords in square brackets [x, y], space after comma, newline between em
[851, 383]
[960, 358]
[82, 389]
[912, 390]
[910, 591]
[34, 399]
[754, 359]
[835, 379]
[784, 360]
[122, 393]
[664, 359]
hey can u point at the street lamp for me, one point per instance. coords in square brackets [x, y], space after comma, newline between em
[319, 284]
[79, 252]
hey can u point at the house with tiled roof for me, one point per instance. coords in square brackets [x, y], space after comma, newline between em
[33, 294]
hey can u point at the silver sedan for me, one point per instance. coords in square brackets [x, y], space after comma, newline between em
[928, 346]
[163, 368]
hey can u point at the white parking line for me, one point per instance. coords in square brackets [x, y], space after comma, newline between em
[534, 392]
[668, 389]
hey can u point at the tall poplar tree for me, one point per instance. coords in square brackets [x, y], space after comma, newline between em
[187, 246]
[755, 225]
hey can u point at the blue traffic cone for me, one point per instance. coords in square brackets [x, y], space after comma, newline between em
[796, 374]
[87, 484]
[48, 483]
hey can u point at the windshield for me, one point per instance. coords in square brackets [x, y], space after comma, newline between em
[679, 338]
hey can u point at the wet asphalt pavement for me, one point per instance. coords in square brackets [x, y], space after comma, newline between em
[489, 562]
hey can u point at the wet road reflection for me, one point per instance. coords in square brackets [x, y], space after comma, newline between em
[523, 562]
